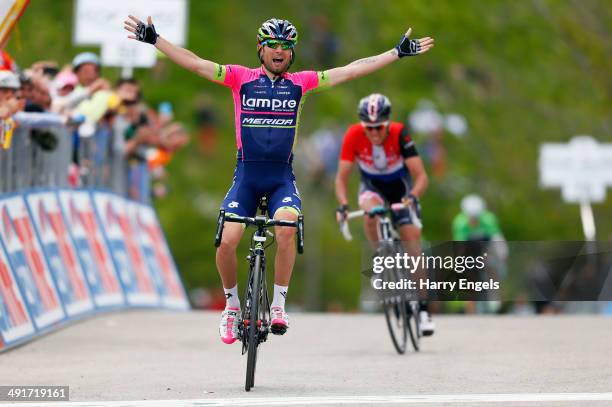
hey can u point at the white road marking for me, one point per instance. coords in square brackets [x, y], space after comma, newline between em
[323, 400]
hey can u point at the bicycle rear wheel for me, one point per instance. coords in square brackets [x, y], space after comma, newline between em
[394, 306]
[253, 328]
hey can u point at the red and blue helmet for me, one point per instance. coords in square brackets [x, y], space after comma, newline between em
[374, 109]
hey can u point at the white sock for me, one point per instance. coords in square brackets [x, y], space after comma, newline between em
[280, 294]
[231, 297]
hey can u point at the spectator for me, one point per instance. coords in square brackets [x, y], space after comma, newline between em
[136, 132]
[137, 118]
[92, 91]
[40, 97]
[46, 69]
[9, 105]
[119, 142]
[9, 88]
[13, 104]
[86, 67]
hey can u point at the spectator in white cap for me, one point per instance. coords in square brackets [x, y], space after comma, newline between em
[12, 104]
[91, 102]
[86, 66]
[9, 86]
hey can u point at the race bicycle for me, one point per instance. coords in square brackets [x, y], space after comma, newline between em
[401, 310]
[254, 324]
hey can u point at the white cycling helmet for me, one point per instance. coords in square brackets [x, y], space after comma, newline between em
[473, 205]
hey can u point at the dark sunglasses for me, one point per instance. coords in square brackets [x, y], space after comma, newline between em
[379, 127]
[275, 43]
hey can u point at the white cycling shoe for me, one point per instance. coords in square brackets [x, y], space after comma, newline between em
[426, 325]
[228, 327]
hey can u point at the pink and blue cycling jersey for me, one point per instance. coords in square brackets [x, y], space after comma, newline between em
[267, 112]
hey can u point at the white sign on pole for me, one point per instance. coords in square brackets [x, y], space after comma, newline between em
[98, 22]
[582, 169]
[128, 53]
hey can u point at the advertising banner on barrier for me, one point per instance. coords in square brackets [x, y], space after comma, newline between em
[15, 322]
[53, 235]
[158, 255]
[27, 260]
[139, 281]
[89, 242]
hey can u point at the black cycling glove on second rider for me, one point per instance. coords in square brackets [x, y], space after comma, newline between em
[408, 47]
[146, 33]
[343, 211]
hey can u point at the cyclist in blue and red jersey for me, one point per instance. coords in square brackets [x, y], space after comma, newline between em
[391, 172]
[267, 103]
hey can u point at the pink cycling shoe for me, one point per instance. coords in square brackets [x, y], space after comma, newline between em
[228, 327]
[280, 321]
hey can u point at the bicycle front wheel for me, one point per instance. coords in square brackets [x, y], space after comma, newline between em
[394, 305]
[412, 314]
[253, 328]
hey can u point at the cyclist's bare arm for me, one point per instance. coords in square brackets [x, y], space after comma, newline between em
[342, 178]
[186, 58]
[179, 55]
[418, 174]
[368, 65]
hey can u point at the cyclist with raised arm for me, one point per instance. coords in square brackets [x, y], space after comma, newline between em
[391, 172]
[267, 102]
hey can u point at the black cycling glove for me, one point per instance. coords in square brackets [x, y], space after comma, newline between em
[408, 47]
[342, 210]
[416, 202]
[146, 33]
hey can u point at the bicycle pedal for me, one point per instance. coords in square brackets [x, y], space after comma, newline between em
[278, 329]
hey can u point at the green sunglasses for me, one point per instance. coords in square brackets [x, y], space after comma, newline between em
[275, 43]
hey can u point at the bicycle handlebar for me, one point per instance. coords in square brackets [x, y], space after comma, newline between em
[378, 211]
[262, 222]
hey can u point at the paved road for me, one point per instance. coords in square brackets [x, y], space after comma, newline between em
[155, 355]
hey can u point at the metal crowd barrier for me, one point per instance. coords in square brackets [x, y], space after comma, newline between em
[48, 157]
